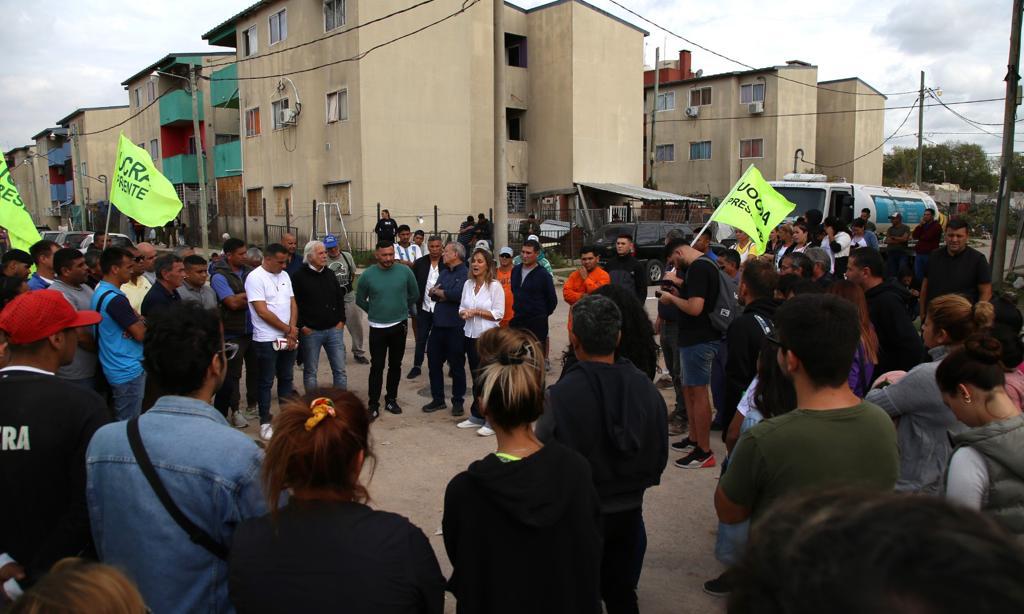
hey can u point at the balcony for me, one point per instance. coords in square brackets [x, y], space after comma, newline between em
[176, 108]
[180, 169]
[227, 159]
[59, 155]
[517, 87]
[58, 192]
[224, 88]
[517, 162]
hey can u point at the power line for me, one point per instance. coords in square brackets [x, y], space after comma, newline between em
[130, 117]
[809, 113]
[868, 153]
[962, 118]
[748, 66]
[967, 119]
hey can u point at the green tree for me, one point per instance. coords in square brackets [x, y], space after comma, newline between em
[962, 163]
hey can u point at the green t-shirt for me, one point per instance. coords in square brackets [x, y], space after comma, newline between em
[387, 294]
[810, 449]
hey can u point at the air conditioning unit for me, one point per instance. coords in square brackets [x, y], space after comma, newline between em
[692, 111]
[287, 117]
[756, 107]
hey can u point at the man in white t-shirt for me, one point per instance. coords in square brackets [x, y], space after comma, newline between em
[407, 253]
[274, 334]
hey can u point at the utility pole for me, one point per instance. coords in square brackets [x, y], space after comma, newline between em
[500, 221]
[79, 177]
[998, 255]
[920, 134]
[654, 114]
[204, 233]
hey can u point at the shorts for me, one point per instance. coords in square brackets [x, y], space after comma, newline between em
[695, 362]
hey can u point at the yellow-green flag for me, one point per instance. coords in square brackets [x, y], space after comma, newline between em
[139, 190]
[754, 207]
[21, 230]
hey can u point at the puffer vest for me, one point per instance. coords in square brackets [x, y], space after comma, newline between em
[234, 321]
[1002, 446]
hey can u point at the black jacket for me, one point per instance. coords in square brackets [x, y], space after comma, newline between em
[899, 346]
[524, 536]
[628, 273]
[386, 229]
[421, 270]
[743, 343]
[319, 297]
[615, 417]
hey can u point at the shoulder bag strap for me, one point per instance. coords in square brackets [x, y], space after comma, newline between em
[99, 310]
[195, 533]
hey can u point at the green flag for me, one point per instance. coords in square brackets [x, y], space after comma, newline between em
[754, 207]
[139, 190]
[21, 230]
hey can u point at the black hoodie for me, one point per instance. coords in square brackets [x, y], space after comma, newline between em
[524, 536]
[743, 340]
[899, 346]
[614, 416]
[628, 272]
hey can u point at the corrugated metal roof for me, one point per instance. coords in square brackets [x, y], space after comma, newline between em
[639, 193]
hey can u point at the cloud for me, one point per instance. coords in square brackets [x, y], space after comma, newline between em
[934, 27]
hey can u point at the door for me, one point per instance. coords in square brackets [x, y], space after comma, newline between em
[254, 200]
[840, 204]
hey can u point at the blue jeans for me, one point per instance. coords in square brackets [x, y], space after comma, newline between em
[696, 362]
[920, 267]
[332, 340]
[128, 397]
[447, 345]
[894, 261]
[273, 364]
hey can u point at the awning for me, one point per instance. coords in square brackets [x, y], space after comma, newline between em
[282, 186]
[337, 182]
[638, 193]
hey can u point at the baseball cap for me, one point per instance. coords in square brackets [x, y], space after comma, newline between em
[895, 215]
[481, 244]
[533, 238]
[330, 241]
[38, 314]
[505, 251]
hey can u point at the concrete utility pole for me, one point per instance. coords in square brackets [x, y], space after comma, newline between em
[204, 238]
[998, 255]
[500, 221]
[79, 176]
[920, 134]
[654, 114]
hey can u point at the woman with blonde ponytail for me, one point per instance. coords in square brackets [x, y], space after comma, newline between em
[924, 421]
[521, 525]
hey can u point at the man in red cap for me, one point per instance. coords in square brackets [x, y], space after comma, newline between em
[45, 426]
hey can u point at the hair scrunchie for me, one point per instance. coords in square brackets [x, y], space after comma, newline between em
[322, 407]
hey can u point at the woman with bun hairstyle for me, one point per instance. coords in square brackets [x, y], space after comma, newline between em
[78, 585]
[326, 550]
[521, 526]
[986, 470]
[923, 420]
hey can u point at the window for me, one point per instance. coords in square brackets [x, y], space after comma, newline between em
[665, 102]
[154, 149]
[649, 233]
[151, 90]
[250, 43]
[337, 106]
[252, 122]
[752, 148]
[751, 92]
[224, 139]
[276, 109]
[665, 153]
[191, 145]
[334, 14]
[516, 195]
[700, 97]
[700, 150]
[514, 128]
[278, 26]
[138, 97]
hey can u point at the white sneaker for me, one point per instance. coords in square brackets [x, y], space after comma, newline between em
[485, 431]
[266, 432]
[238, 420]
[467, 424]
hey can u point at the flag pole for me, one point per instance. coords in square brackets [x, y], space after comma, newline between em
[106, 228]
[708, 223]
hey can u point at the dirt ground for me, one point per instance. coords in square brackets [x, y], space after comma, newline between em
[417, 454]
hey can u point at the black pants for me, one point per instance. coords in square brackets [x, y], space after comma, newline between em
[447, 345]
[229, 389]
[473, 358]
[625, 543]
[386, 344]
[424, 322]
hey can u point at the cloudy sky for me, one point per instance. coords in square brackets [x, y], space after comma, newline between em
[65, 55]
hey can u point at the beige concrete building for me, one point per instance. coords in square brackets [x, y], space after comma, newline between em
[92, 158]
[410, 124]
[710, 129]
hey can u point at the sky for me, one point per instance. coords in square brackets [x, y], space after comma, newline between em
[65, 55]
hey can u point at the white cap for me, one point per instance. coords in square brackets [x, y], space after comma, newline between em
[533, 238]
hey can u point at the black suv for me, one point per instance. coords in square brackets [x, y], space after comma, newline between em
[648, 240]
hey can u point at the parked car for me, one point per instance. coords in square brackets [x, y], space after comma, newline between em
[66, 238]
[114, 239]
[648, 241]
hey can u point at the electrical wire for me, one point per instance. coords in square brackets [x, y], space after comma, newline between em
[130, 117]
[748, 66]
[810, 113]
[868, 153]
[967, 119]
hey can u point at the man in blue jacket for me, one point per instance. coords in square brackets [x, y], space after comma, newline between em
[533, 294]
[446, 342]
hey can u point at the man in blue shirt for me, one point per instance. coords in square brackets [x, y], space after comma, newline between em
[447, 342]
[294, 257]
[42, 255]
[228, 281]
[120, 334]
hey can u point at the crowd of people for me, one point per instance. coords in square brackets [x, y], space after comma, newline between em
[852, 406]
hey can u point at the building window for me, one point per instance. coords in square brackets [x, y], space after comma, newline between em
[252, 122]
[250, 43]
[665, 102]
[278, 26]
[277, 109]
[516, 195]
[224, 139]
[514, 125]
[700, 150]
[515, 50]
[337, 106]
[700, 97]
[334, 14]
[138, 98]
[151, 90]
[752, 148]
[751, 92]
[191, 145]
[154, 149]
[665, 153]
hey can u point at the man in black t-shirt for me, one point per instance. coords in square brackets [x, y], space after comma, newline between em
[386, 228]
[956, 269]
[698, 345]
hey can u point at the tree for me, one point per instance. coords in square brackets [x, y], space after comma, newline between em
[962, 163]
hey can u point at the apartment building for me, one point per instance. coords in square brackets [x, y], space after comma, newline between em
[21, 163]
[710, 129]
[54, 177]
[409, 125]
[92, 157]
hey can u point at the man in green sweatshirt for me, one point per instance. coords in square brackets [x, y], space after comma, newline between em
[386, 292]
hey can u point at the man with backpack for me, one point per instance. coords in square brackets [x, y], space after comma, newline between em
[705, 314]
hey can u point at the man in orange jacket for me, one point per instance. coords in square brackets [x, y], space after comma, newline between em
[589, 277]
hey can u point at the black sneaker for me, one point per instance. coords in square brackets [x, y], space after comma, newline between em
[414, 373]
[393, 407]
[434, 406]
[374, 410]
[684, 444]
[363, 360]
[458, 410]
[720, 586]
[697, 459]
